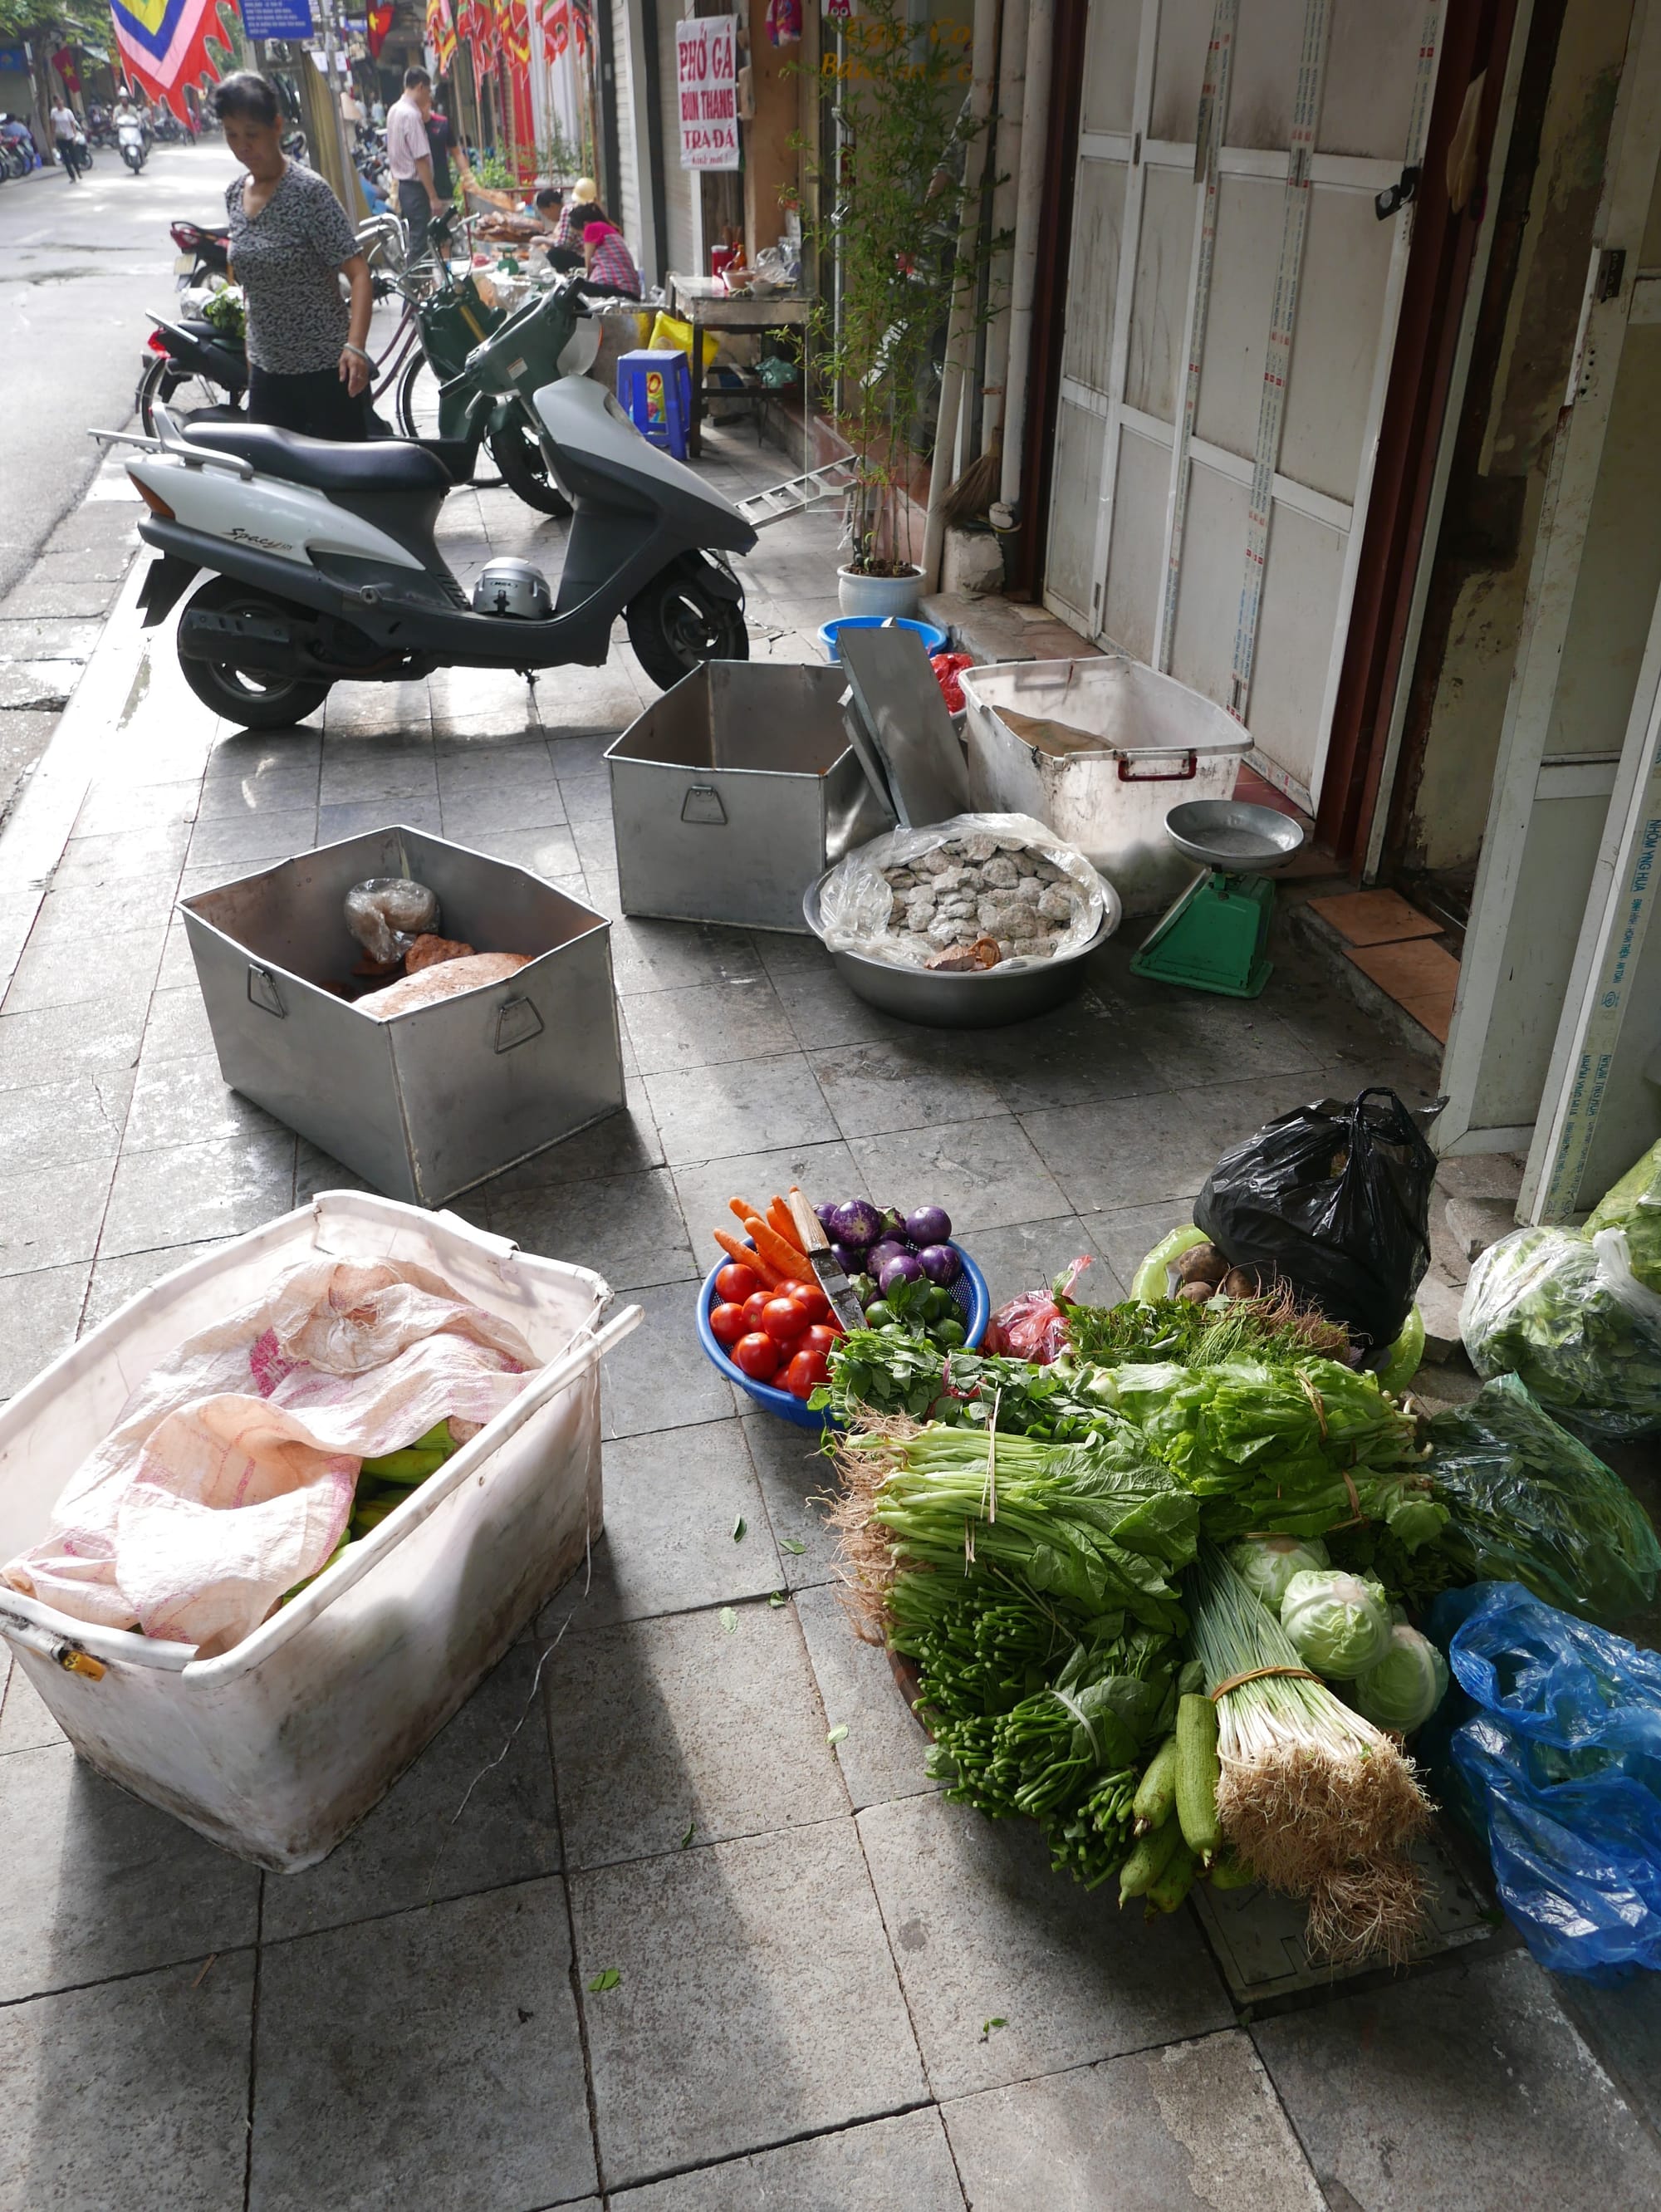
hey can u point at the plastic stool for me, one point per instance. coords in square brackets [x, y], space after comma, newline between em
[654, 389]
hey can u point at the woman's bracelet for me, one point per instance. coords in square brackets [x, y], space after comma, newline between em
[350, 348]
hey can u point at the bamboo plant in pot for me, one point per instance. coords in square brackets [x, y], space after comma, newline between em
[894, 210]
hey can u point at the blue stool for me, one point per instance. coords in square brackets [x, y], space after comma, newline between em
[654, 389]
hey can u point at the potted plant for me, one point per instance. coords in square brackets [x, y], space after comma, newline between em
[895, 205]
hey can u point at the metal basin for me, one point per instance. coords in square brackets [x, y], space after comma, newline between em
[1233, 835]
[982, 1001]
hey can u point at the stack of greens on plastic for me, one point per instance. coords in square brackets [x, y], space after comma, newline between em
[1576, 1314]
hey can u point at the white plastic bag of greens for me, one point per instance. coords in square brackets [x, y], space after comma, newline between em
[1004, 879]
[1564, 1311]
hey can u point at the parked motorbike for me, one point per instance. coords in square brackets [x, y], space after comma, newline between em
[130, 136]
[100, 128]
[325, 568]
[202, 253]
[190, 364]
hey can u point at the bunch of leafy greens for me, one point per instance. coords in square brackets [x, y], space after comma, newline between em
[1634, 1204]
[1200, 1335]
[1530, 1503]
[1091, 1529]
[1542, 1304]
[1294, 1449]
[886, 1371]
[1032, 1716]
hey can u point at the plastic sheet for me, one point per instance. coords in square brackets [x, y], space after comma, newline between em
[1565, 1312]
[1531, 1504]
[1335, 1199]
[386, 914]
[1634, 1204]
[1555, 1758]
[856, 902]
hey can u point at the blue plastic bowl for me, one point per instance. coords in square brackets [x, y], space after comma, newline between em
[934, 640]
[969, 1290]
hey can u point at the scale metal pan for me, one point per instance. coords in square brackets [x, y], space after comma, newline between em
[1232, 834]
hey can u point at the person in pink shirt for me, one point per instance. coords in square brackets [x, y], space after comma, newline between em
[410, 158]
[611, 271]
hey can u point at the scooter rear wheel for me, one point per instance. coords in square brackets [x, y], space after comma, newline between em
[678, 622]
[248, 697]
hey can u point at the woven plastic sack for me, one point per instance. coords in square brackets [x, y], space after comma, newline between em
[1554, 1758]
[857, 902]
[1335, 1199]
[1565, 1312]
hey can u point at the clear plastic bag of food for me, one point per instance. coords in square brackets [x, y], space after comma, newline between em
[387, 914]
[989, 880]
[1634, 1204]
[1566, 1313]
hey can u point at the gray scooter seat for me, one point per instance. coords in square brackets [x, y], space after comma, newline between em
[380, 465]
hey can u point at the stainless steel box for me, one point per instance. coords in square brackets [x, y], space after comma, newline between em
[736, 790]
[435, 1100]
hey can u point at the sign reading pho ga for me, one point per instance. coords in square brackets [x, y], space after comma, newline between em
[707, 74]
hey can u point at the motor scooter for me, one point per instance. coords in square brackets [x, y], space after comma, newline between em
[129, 137]
[326, 568]
[190, 363]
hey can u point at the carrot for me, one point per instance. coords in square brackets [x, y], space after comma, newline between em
[769, 1278]
[742, 1208]
[777, 1253]
[779, 1219]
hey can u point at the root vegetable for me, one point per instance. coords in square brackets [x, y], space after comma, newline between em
[1241, 1283]
[1201, 1263]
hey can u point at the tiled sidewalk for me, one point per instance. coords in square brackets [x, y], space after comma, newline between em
[811, 1947]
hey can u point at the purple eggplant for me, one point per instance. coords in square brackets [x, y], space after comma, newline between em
[892, 1231]
[902, 1267]
[940, 1263]
[929, 1225]
[851, 1262]
[825, 1221]
[880, 1254]
[857, 1224]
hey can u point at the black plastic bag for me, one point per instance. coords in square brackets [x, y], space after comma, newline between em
[1335, 1199]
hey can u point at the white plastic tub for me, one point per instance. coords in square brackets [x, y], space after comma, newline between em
[280, 1746]
[1119, 745]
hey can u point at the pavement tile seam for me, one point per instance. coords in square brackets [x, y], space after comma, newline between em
[739, 2158]
[122, 1973]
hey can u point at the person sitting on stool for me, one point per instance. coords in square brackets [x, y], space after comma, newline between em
[611, 271]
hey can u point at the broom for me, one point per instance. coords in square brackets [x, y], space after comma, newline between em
[974, 491]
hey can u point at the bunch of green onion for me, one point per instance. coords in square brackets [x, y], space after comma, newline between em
[1315, 1799]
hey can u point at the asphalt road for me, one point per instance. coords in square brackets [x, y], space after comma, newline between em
[79, 267]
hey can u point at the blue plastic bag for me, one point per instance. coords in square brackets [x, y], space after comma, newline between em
[1555, 1756]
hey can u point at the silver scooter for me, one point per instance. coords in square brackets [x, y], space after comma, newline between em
[326, 568]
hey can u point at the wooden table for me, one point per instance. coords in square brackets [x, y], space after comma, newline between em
[706, 303]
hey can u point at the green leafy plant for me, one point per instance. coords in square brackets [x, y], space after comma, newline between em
[892, 224]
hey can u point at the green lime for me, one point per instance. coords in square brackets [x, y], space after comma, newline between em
[939, 1304]
[948, 1334]
[878, 1313]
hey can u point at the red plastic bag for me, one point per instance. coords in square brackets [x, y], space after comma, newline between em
[948, 667]
[1033, 1327]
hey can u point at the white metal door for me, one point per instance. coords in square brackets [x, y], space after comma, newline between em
[1570, 767]
[1231, 303]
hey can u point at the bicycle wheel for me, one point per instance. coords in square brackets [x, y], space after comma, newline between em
[161, 384]
[416, 400]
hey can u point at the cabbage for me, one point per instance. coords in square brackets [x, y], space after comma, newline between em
[1406, 1686]
[1339, 1623]
[1266, 1564]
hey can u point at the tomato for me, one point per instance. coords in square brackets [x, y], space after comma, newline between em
[737, 1282]
[820, 1339]
[812, 1301]
[758, 1355]
[783, 1320]
[754, 1306]
[805, 1373]
[727, 1323]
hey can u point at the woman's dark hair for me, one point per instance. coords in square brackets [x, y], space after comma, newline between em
[247, 93]
[549, 195]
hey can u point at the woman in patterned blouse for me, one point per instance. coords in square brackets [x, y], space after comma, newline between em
[290, 245]
[611, 271]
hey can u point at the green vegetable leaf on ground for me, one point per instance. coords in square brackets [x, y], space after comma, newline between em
[776, 1598]
[607, 1978]
[740, 1529]
[836, 1735]
[793, 1545]
[728, 1620]
[987, 2026]
[687, 1836]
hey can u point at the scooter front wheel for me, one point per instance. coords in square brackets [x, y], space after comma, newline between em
[525, 471]
[248, 697]
[679, 622]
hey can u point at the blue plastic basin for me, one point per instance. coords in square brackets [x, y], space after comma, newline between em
[969, 1290]
[934, 640]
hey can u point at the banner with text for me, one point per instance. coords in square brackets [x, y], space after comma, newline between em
[707, 72]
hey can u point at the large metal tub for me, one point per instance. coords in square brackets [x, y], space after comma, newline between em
[736, 790]
[435, 1100]
[983, 1001]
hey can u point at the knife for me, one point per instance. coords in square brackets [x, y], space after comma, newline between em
[844, 1304]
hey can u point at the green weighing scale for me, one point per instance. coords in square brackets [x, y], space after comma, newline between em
[1215, 938]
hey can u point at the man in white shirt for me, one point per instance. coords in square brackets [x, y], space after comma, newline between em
[66, 131]
[410, 158]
